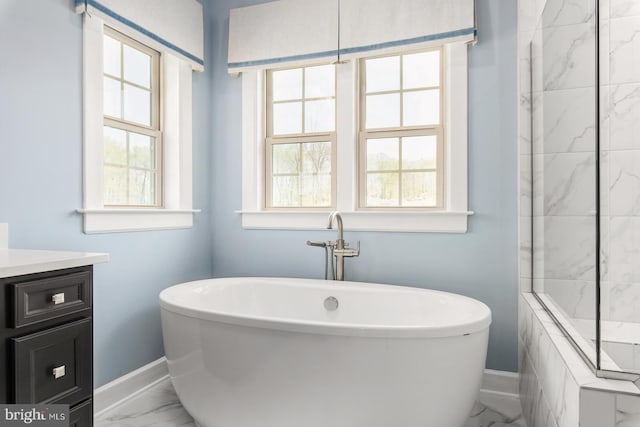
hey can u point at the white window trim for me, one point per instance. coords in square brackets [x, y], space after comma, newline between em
[176, 87]
[452, 219]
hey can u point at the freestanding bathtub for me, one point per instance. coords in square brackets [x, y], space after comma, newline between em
[269, 352]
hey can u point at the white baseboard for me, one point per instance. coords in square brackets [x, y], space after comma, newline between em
[123, 388]
[500, 382]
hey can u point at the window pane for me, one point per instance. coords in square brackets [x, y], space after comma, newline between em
[112, 98]
[316, 190]
[421, 70]
[115, 185]
[115, 146]
[287, 118]
[285, 191]
[287, 84]
[383, 111]
[319, 116]
[111, 56]
[419, 152]
[421, 108]
[141, 187]
[419, 189]
[137, 66]
[137, 105]
[285, 158]
[316, 157]
[141, 151]
[383, 74]
[382, 154]
[382, 189]
[320, 81]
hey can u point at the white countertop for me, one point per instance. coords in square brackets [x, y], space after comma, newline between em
[16, 262]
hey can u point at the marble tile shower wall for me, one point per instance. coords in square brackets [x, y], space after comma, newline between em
[552, 395]
[548, 392]
[537, 393]
[558, 158]
[556, 388]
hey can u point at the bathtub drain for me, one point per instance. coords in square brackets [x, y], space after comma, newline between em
[331, 303]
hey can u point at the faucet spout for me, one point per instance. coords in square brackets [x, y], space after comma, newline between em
[340, 249]
[338, 218]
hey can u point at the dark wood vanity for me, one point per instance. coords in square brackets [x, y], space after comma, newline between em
[46, 340]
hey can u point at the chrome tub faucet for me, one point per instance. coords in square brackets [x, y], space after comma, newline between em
[339, 248]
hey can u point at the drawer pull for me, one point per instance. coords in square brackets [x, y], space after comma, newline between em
[57, 298]
[59, 372]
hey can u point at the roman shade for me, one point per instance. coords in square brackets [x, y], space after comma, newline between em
[290, 32]
[174, 26]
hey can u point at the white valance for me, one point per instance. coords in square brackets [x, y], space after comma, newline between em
[165, 25]
[282, 32]
[289, 32]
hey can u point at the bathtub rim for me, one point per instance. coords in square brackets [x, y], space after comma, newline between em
[478, 324]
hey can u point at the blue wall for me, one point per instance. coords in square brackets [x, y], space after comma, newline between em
[481, 264]
[41, 186]
[41, 182]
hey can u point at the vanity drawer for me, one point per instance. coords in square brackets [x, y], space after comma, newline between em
[81, 415]
[54, 366]
[48, 298]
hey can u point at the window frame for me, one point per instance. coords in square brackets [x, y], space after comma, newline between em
[154, 130]
[176, 119]
[400, 132]
[453, 218]
[397, 133]
[271, 139]
[268, 184]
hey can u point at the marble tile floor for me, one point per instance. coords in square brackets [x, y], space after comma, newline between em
[159, 406]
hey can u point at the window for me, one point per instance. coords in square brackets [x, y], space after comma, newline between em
[398, 140]
[401, 137]
[301, 135]
[132, 136]
[137, 132]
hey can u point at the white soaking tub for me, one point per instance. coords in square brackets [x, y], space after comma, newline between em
[272, 352]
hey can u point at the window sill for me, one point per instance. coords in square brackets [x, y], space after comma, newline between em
[125, 220]
[399, 222]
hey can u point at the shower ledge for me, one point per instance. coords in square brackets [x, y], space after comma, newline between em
[582, 374]
[622, 332]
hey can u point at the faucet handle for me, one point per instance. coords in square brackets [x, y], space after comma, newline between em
[349, 252]
[327, 244]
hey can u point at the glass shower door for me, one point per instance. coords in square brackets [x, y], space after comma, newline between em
[565, 168]
[620, 187]
[585, 92]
